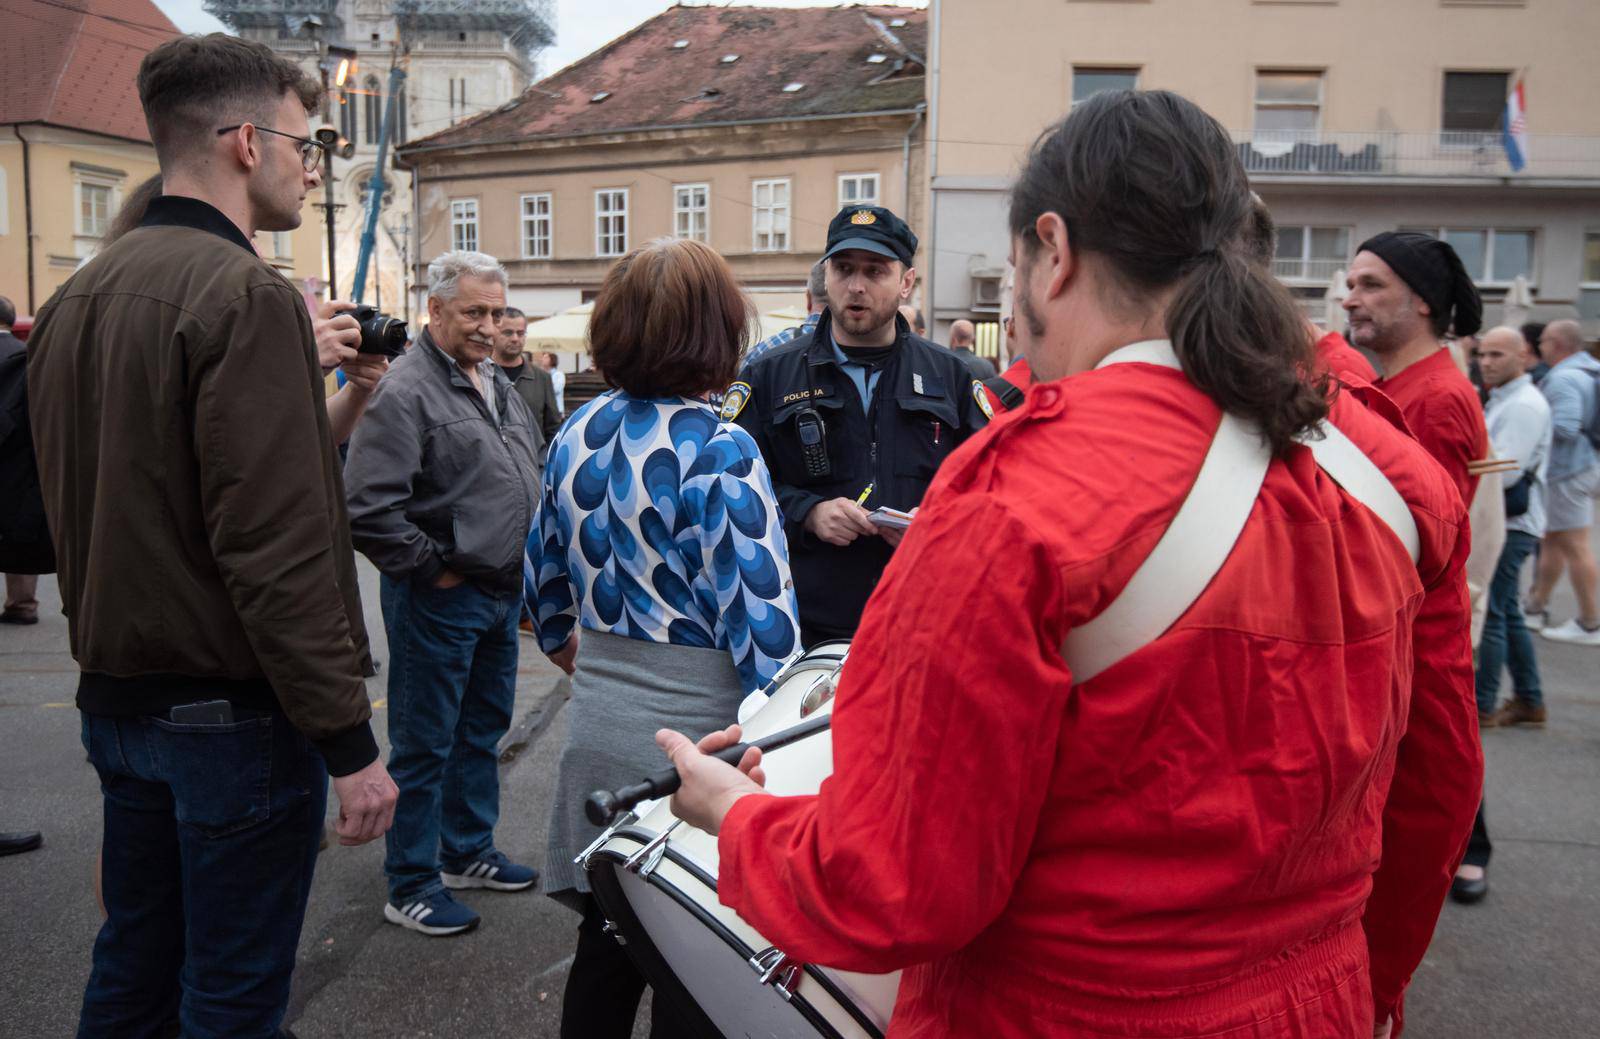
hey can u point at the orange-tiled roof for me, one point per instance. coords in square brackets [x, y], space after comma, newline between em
[74, 63]
[670, 71]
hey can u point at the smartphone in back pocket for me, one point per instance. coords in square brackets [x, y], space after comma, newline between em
[211, 712]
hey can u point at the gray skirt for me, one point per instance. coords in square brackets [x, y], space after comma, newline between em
[623, 691]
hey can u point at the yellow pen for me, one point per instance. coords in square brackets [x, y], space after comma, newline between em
[862, 500]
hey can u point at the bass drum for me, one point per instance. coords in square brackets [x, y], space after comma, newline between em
[656, 879]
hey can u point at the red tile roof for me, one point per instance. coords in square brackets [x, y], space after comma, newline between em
[74, 62]
[650, 81]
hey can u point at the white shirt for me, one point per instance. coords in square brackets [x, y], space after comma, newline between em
[559, 377]
[1518, 417]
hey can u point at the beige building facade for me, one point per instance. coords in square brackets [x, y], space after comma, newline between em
[1352, 117]
[747, 128]
[558, 214]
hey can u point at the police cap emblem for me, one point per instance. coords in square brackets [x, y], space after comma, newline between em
[863, 216]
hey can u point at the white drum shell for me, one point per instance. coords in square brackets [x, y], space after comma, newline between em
[739, 1004]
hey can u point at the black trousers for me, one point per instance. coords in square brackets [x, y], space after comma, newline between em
[604, 988]
[1479, 848]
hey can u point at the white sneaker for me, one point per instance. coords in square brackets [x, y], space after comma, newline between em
[1573, 632]
[1536, 620]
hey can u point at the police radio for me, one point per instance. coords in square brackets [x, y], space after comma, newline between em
[813, 443]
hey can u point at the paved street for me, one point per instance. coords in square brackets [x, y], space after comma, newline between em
[1521, 964]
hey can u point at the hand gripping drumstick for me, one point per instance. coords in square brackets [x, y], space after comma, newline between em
[603, 805]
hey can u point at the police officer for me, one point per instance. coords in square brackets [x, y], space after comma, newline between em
[854, 417]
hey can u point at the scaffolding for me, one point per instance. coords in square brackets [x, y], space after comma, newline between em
[530, 25]
[289, 16]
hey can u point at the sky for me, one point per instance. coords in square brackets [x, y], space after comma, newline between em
[582, 26]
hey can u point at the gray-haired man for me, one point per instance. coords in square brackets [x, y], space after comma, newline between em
[442, 475]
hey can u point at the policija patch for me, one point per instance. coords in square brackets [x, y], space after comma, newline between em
[982, 399]
[734, 400]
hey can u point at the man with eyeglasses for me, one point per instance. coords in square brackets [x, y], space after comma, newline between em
[198, 513]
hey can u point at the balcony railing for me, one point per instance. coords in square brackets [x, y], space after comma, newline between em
[1312, 153]
[1319, 271]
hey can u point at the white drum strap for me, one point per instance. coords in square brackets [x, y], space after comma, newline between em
[1201, 536]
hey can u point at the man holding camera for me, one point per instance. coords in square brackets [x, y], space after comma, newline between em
[443, 474]
[206, 571]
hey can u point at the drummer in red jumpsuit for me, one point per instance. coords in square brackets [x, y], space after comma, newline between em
[1406, 290]
[1236, 831]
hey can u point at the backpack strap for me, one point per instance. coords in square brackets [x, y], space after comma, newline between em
[1202, 535]
[1010, 396]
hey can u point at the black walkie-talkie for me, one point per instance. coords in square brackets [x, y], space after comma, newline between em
[813, 443]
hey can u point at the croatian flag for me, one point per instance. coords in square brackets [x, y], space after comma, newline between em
[1515, 132]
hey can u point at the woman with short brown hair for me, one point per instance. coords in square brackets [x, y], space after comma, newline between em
[658, 532]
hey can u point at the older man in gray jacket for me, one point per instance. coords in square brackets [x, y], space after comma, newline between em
[443, 474]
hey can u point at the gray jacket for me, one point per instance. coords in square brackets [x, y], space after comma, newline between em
[1571, 389]
[437, 480]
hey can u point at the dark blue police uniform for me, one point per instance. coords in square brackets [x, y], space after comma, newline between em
[822, 441]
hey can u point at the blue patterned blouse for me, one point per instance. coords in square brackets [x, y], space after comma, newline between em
[658, 522]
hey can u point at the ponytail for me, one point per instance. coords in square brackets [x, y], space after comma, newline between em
[1243, 343]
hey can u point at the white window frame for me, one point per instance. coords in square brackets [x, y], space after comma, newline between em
[611, 223]
[772, 209]
[1586, 286]
[683, 214]
[859, 178]
[464, 220]
[531, 234]
[1483, 278]
[1256, 104]
[1306, 259]
[84, 184]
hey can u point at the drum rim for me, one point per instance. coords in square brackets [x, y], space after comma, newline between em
[805, 1006]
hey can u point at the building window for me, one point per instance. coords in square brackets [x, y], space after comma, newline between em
[347, 115]
[1288, 104]
[282, 246]
[1087, 82]
[374, 109]
[1589, 290]
[1311, 253]
[458, 100]
[464, 224]
[771, 215]
[691, 211]
[1474, 103]
[94, 210]
[858, 189]
[1491, 255]
[400, 119]
[611, 222]
[536, 237]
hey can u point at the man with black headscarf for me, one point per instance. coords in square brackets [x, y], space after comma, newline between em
[1407, 291]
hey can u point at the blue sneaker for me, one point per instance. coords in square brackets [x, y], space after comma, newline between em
[436, 915]
[493, 871]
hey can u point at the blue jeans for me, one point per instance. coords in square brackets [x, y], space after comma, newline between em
[452, 685]
[210, 840]
[1506, 640]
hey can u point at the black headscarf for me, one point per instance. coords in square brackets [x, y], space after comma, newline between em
[1434, 272]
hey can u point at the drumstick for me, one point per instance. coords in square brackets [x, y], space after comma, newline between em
[603, 805]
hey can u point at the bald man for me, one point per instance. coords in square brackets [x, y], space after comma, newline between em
[963, 334]
[1574, 481]
[1519, 429]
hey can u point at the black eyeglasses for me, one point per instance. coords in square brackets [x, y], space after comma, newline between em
[310, 150]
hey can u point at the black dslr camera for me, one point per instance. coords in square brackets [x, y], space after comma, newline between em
[380, 333]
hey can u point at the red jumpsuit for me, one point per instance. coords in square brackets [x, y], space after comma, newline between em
[1344, 360]
[1445, 415]
[1019, 375]
[1187, 844]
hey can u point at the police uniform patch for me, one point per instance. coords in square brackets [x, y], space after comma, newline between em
[865, 216]
[981, 398]
[734, 400]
